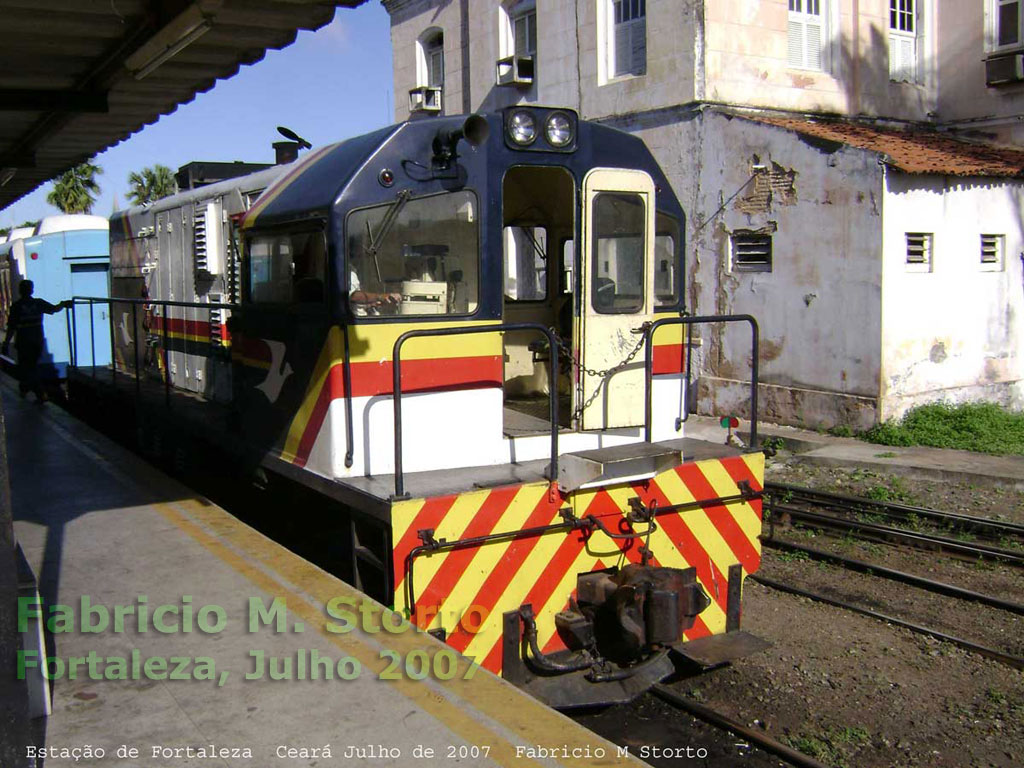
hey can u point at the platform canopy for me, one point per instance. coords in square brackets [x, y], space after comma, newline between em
[78, 76]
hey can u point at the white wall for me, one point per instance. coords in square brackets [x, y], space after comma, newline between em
[952, 333]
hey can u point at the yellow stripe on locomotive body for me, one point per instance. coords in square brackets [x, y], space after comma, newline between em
[465, 591]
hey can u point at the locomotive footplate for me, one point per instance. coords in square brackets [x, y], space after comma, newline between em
[716, 650]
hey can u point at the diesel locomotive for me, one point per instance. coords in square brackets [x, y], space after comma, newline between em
[469, 335]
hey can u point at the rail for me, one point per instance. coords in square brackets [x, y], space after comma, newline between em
[467, 330]
[136, 344]
[691, 321]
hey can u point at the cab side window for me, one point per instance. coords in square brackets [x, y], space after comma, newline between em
[287, 267]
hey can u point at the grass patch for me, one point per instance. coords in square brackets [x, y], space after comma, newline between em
[886, 455]
[979, 427]
[792, 557]
[831, 746]
[894, 490]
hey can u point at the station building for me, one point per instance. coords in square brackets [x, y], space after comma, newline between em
[848, 168]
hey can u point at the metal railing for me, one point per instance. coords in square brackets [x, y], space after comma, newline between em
[691, 321]
[137, 343]
[553, 368]
[466, 330]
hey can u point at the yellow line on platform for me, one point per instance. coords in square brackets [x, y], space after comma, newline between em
[535, 723]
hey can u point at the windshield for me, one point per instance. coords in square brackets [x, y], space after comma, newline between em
[415, 256]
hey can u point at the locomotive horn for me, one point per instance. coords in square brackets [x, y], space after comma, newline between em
[293, 136]
[474, 129]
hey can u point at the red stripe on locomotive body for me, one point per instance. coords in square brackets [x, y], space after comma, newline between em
[721, 517]
[371, 379]
[180, 325]
[457, 561]
[430, 516]
[508, 566]
[668, 358]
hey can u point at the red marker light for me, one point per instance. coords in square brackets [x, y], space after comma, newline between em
[34, 256]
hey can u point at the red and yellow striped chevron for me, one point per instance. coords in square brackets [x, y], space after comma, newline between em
[466, 591]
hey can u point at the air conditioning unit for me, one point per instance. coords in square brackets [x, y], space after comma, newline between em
[425, 98]
[1000, 70]
[514, 70]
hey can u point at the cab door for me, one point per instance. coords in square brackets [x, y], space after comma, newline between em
[617, 274]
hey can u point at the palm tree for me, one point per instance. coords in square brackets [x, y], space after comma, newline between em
[151, 184]
[76, 190]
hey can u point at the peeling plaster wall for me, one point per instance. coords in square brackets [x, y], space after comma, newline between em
[819, 309]
[952, 333]
[820, 306]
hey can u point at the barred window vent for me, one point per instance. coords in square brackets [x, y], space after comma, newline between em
[991, 249]
[217, 320]
[919, 248]
[199, 235]
[751, 252]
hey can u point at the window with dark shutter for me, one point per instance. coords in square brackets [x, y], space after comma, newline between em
[919, 248]
[751, 252]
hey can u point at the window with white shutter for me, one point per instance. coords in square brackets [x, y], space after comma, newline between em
[627, 49]
[903, 41]
[807, 33]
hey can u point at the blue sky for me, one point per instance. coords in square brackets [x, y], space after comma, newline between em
[326, 86]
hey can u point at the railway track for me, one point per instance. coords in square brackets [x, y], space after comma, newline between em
[874, 569]
[750, 735]
[1010, 660]
[856, 516]
[846, 513]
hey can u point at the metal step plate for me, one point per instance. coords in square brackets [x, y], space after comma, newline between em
[635, 461]
[715, 650]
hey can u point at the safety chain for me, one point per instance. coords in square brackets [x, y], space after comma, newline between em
[565, 353]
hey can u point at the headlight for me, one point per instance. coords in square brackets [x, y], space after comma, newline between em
[558, 129]
[522, 128]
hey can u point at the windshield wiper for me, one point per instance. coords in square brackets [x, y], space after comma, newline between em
[390, 216]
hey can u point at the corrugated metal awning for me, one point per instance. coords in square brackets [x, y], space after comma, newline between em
[78, 76]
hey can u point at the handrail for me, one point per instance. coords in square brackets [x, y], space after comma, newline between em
[690, 321]
[145, 302]
[465, 330]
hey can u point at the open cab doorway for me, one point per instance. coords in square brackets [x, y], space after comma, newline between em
[597, 298]
[538, 234]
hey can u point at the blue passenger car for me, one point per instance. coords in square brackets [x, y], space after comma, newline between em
[66, 255]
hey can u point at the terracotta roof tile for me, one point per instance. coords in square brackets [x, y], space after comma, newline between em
[912, 151]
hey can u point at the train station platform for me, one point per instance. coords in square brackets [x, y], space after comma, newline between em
[180, 635]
